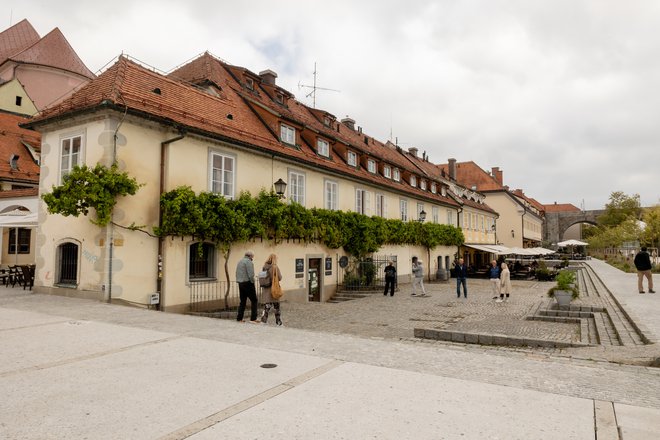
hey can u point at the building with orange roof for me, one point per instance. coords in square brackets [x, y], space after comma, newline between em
[34, 72]
[221, 128]
[520, 221]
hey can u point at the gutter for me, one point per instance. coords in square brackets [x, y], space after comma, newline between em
[161, 190]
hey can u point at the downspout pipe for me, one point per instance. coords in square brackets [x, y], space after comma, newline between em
[161, 191]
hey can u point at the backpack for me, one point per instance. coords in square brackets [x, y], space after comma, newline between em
[264, 278]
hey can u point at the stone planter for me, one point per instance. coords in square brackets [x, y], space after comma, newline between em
[563, 297]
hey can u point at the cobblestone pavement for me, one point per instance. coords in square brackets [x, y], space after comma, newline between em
[394, 318]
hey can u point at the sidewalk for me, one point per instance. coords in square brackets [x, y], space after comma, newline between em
[645, 309]
[74, 369]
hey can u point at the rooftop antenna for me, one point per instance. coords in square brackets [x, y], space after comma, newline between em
[314, 88]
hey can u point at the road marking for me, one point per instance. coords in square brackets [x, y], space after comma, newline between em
[248, 403]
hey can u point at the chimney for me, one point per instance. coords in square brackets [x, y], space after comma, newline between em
[268, 76]
[497, 175]
[452, 169]
[413, 151]
[350, 123]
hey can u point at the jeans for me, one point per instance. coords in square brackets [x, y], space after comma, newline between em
[460, 281]
[247, 290]
[389, 285]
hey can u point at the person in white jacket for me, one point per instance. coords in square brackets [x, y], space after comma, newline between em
[418, 277]
[505, 283]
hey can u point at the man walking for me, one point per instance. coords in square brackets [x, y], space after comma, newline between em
[418, 277]
[461, 278]
[494, 277]
[245, 280]
[644, 266]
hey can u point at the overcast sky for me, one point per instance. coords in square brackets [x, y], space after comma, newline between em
[562, 95]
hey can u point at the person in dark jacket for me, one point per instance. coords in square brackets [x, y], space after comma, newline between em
[494, 277]
[644, 266]
[461, 277]
[390, 278]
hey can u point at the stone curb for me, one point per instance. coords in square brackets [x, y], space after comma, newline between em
[492, 339]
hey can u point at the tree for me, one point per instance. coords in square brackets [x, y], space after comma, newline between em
[84, 188]
[620, 208]
[651, 232]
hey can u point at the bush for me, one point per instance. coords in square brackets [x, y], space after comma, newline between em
[565, 281]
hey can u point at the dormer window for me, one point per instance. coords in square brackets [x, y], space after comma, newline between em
[387, 172]
[323, 147]
[287, 134]
[413, 181]
[371, 166]
[326, 121]
[444, 191]
[279, 98]
[249, 83]
[434, 188]
[352, 158]
[422, 185]
[396, 174]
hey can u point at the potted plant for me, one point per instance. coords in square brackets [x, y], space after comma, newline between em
[565, 290]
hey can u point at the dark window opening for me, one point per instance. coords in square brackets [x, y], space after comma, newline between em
[19, 100]
[201, 261]
[22, 244]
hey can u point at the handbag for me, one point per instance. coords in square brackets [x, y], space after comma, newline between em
[264, 279]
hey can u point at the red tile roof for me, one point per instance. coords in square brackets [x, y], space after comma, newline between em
[17, 38]
[561, 207]
[144, 92]
[53, 50]
[12, 139]
[471, 175]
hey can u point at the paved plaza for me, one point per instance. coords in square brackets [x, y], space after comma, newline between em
[75, 368]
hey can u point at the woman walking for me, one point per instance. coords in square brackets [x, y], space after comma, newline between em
[505, 283]
[272, 292]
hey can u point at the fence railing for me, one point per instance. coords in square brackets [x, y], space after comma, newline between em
[212, 296]
[364, 274]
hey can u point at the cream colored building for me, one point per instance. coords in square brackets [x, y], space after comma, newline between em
[168, 134]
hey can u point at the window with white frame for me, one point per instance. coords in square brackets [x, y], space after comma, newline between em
[287, 134]
[351, 157]
[381, 205]
[222, 174]
[422, 185]
[450, 217]
[323, 147]
[71, 154]
[362, 202]
[434, 188]
[444, 191]
[403, 209]
[330, 201]
[387, 172]
[435, 215]
[481, 223]
[396, 174]
[371, 166]
[297, 187]
[413, 181]
[249, 83]
[201, 262]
